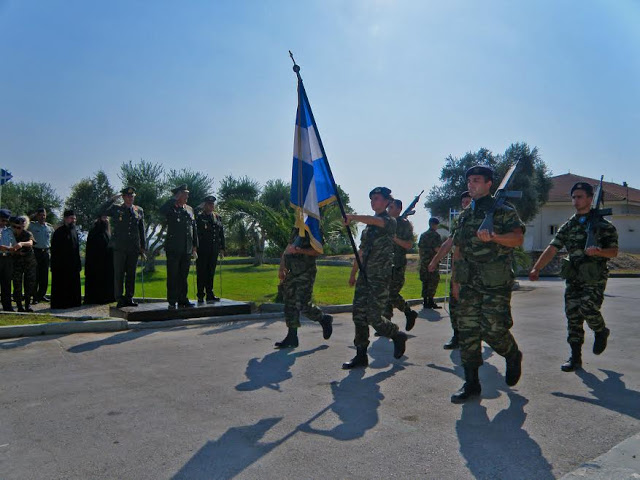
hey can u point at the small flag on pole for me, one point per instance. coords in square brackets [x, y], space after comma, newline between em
[5, 176]
[311, 183]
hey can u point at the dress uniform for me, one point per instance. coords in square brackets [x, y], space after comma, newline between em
[7, 242]
[210, 244]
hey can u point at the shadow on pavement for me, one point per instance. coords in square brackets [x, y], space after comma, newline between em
[117, 339]
[500, 448]
[430, 314]
[611, 393]
[23, 342]
[233, 452]
[273, 369]
[236, 326]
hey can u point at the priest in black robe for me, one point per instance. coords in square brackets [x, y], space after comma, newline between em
[65, 264]
[98, 264]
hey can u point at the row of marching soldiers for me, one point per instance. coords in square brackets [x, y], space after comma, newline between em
[481, 285]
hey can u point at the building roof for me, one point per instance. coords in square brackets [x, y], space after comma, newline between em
[613, 192]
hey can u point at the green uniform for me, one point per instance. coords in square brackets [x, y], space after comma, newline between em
[371, 295]
[24, 271]
[127, 241]
[179, 242]
[486, 278]
[404, 231]
[210, 242]
[453, 303]
[297, 287]
[428, 246]
[586, 277]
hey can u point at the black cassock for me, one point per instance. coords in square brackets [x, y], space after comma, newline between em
[98, 267]
[65, 268]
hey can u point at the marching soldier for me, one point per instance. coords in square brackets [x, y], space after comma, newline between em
[483, 281]
[402, 241]
[428, 246]
[128, 242]
[372, 286]
[7, 245]
[585, 272]
[42, 232]
[180, 245]
[210, 246]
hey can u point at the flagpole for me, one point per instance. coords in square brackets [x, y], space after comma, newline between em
[296, 69]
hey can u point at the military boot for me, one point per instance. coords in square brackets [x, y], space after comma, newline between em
[575, 360]
[327, 326]
[27, 305]
[471, 387]
[453, 343]
[600, 342]
[360, 360]
[514, 368]
[411, 318]
[433, 304]
[19, 306]
[290, 341]
[399, 344]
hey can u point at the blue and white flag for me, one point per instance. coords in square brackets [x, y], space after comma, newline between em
[5, 176]
[311, 184]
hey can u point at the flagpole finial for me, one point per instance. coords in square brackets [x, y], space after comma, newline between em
[296, 67]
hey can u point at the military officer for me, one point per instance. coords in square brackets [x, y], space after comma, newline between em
[7, 245]
[180, 245]
[42, 232]
[483, 281]
[297, 274]
[372, 286]
[428, 246]
[24, 264]
[402, 242]
[585, 272]
[210, 246]
[128, 242]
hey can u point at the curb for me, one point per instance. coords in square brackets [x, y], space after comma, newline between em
[250, 317]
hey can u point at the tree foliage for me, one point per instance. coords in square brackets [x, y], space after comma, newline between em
[86, 197]
[24, 198]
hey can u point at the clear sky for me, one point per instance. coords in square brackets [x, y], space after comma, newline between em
[395, 86]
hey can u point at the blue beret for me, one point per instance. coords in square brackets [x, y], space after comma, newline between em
[4, 213]
[384, 191]
[480, 170]
[582, 186]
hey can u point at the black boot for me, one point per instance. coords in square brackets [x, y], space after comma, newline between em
[471, 387]
[290, 341]
[27, 305]
[411, 318]
[425, 304]
[360, 360]
[575, 360]
[19, 305]
[433, 304]
[453, 343]
[327, 326]
[600, 342]
[514, 368]
[399, 344]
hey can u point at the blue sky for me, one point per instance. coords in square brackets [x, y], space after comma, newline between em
[395, 86]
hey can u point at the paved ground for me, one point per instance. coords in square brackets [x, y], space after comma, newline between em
[218, 402]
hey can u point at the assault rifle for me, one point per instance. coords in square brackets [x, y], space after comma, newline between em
[410, 209]
[596, 215]
[499, 198]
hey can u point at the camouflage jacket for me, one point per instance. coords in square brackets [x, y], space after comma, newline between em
[404, 231]
[299, 263]
[377, 244]
[428, 245]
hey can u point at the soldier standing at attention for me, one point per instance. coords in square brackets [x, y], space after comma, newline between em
[585, 272]
[180, 245]
[372, 285]
[402, 241]
[297, 275]
[483, 281]
[127, 241]
[428, 246]
[42, 232]
[210, 246]
[7, 243]
[24, 264]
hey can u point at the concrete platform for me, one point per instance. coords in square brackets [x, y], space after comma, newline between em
[150, 312]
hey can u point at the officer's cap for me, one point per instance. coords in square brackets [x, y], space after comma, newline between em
[384, 191]
[18, 220]
[180, 188]
[210, 199]
[41, 210]
[587, 187]
[480, 170]
[464, 195]
[4, 213]
[68, 213]
[128, 191]
[434, 220]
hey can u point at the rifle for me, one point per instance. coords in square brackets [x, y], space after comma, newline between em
[500, 197]
[596, 215]
[410, 209]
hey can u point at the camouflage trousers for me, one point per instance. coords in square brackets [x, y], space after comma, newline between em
[395, 299]
[24, 277]
[453, 309]
[369, 301]
[484, 315]
[429, 280]
[582, 302]
[296, 292]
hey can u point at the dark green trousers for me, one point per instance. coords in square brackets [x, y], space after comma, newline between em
[178, 278]
[124, 272]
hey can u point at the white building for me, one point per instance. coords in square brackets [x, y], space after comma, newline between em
[622, 199]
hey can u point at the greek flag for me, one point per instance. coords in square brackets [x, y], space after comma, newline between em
[5, 176]
[311, 183]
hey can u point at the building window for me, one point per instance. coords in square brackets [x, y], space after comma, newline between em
[553, 229]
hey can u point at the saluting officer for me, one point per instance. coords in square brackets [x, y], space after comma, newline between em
[128, 242]
[180, 245]
[210, 246]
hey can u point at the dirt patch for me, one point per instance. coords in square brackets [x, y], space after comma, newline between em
[625, 261]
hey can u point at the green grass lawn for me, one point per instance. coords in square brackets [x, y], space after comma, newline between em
[10, 320]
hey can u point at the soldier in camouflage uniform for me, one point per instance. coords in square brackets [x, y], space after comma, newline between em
[483, 280]
[210, 246]
[127, 241]
[297, 275]
[428, 246]
[24, 264]
[585, 272]
[372, 286]
[402, 241]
